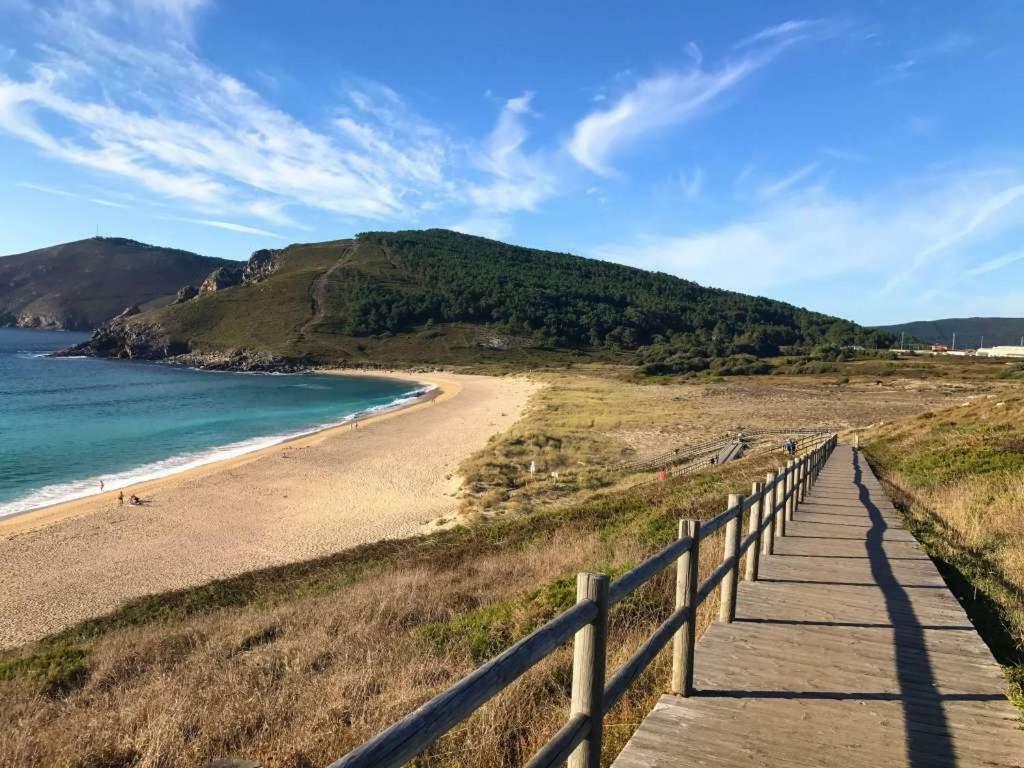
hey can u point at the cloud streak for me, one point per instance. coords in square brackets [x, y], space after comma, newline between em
[792, 244]
[165, 120]
[75, 195]
[674, 98]
[993, 264]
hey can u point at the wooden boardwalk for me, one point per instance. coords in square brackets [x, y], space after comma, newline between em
[849, 651]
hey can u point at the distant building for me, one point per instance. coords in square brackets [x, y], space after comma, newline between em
[1006, 351]
[940, 348]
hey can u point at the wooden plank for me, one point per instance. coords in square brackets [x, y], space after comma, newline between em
[849, 650]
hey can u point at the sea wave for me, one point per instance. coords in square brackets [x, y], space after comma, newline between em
[80, 489]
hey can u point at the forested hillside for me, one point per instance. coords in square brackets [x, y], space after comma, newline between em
[440, 296]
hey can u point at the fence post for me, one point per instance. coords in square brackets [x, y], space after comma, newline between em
[727, 606]
[768, 509]
[780, 495]
[790, 489]
[756, 516]
[802, 494]
[588, 662]
[685, 641]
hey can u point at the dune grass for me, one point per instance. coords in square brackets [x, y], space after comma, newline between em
[958, 475]
[294, 666]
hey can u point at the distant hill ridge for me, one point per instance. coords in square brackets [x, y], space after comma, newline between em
[435, 296]
[969, 331]
[81, 285]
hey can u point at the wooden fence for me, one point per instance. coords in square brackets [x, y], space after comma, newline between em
[771, 504]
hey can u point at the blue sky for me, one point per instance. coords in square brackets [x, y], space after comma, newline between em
[863, 159]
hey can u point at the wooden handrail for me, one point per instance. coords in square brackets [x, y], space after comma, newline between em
[579, 740]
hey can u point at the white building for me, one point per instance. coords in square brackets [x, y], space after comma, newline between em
[1001, 352]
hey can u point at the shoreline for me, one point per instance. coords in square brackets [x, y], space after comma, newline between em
[30, 519]
[291, 502]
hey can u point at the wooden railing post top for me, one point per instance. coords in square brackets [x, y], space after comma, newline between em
[586, 577]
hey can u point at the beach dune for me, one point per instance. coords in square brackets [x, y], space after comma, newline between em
[295, 501]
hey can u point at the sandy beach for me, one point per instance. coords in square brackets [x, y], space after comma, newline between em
[298, 500]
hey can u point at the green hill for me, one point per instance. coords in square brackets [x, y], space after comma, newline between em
[436, 296]
[969, 331]
[81, 285]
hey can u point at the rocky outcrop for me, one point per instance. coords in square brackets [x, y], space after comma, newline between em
[139, 340]
[127, 340]
[187, 293]
[128, 312]
[261, 265]
[221, 278]
[242, 360]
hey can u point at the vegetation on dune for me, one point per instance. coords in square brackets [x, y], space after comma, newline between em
[436, 296]
[294, 666]
[958, 475]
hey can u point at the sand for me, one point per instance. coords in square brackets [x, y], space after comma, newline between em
[310, 497]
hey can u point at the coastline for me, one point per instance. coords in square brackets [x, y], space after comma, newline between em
[307, 498]
[30, 519]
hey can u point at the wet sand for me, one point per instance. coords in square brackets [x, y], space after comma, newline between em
[298, 500]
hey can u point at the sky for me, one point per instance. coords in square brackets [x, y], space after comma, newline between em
[864, 159]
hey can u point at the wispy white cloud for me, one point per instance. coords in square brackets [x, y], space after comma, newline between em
[787, 32]
[673, 98]
[914, 59]
[232, 227]
[997, 263]
[959, 226]
[769, 190]
[66, 193]
[915, 235]
[163, 119]
[517, 179]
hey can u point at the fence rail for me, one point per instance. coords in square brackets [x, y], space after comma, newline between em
[771, 504]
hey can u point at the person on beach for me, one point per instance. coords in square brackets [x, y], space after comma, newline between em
[101, 486]
[120, 499]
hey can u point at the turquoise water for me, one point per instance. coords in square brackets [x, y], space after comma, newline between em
[67, 423]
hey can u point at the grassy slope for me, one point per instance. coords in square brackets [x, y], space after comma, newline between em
[959, 475]
[441, 297]
[294, 666]
[298, 311]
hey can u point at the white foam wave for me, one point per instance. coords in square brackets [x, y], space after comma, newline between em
[80, 489]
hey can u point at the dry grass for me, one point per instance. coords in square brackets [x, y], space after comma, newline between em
[589, 417]
[959, 474]
[294, 666]
[298, 675]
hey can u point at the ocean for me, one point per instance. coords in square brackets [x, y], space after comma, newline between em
[68, 423]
